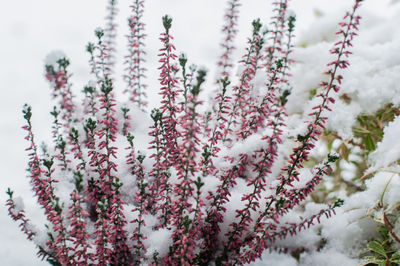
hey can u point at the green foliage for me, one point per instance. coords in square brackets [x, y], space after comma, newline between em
[90, 125]
[48, 163]
[156, 115]
[380, 250]
[291, 22]
[27, 112]
[167, 22]
[367, 131]
[369, 127]
[285, 94]
[199, 183]
[90, 47]
[380, 254]
[106, 86]
[99, 34]
[225, 83]
[9, 192]
[377, 247]
[130, 138]
[256, 26]
[201, 74]
[63, 63]
[78, 181]
[182, 60]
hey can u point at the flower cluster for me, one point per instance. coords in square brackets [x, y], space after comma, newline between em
[207, 192]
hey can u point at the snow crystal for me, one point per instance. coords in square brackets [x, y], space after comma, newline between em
[19, 204]
[342, 119]
[158, 241]
[52, 58]
[92, 83]
[41, 238]
[388, 150]
[326, 257]
[275, 259]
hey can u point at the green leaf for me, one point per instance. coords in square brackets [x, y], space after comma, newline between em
[369, 143]
[384, 190]
[182, 60]
[377, 248]
[330, 145]
[284, 97]
[383, 232]
[397, 261]
[9, 192]
[382, 263]
[395, 256]
[371, 259]
[167, 22]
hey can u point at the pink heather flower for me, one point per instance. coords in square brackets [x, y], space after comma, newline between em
[183, 190]
[134, 61]
[229, 29]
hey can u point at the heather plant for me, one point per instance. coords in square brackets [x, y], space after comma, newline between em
[354, 152]
[213, 186]
[367, 171]
[382, 250]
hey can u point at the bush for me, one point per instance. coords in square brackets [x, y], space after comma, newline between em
[214, 187]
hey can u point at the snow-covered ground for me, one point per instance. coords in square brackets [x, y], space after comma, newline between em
[31, 29]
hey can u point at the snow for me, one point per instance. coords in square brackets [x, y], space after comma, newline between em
[19, 205]
[273, 258]
[388, 150]
[158, 241]
[327, 257]
[350, 228]
[29, 34]
[373, 60]
[52, 58]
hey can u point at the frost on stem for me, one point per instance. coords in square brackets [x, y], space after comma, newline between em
[120, 200]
